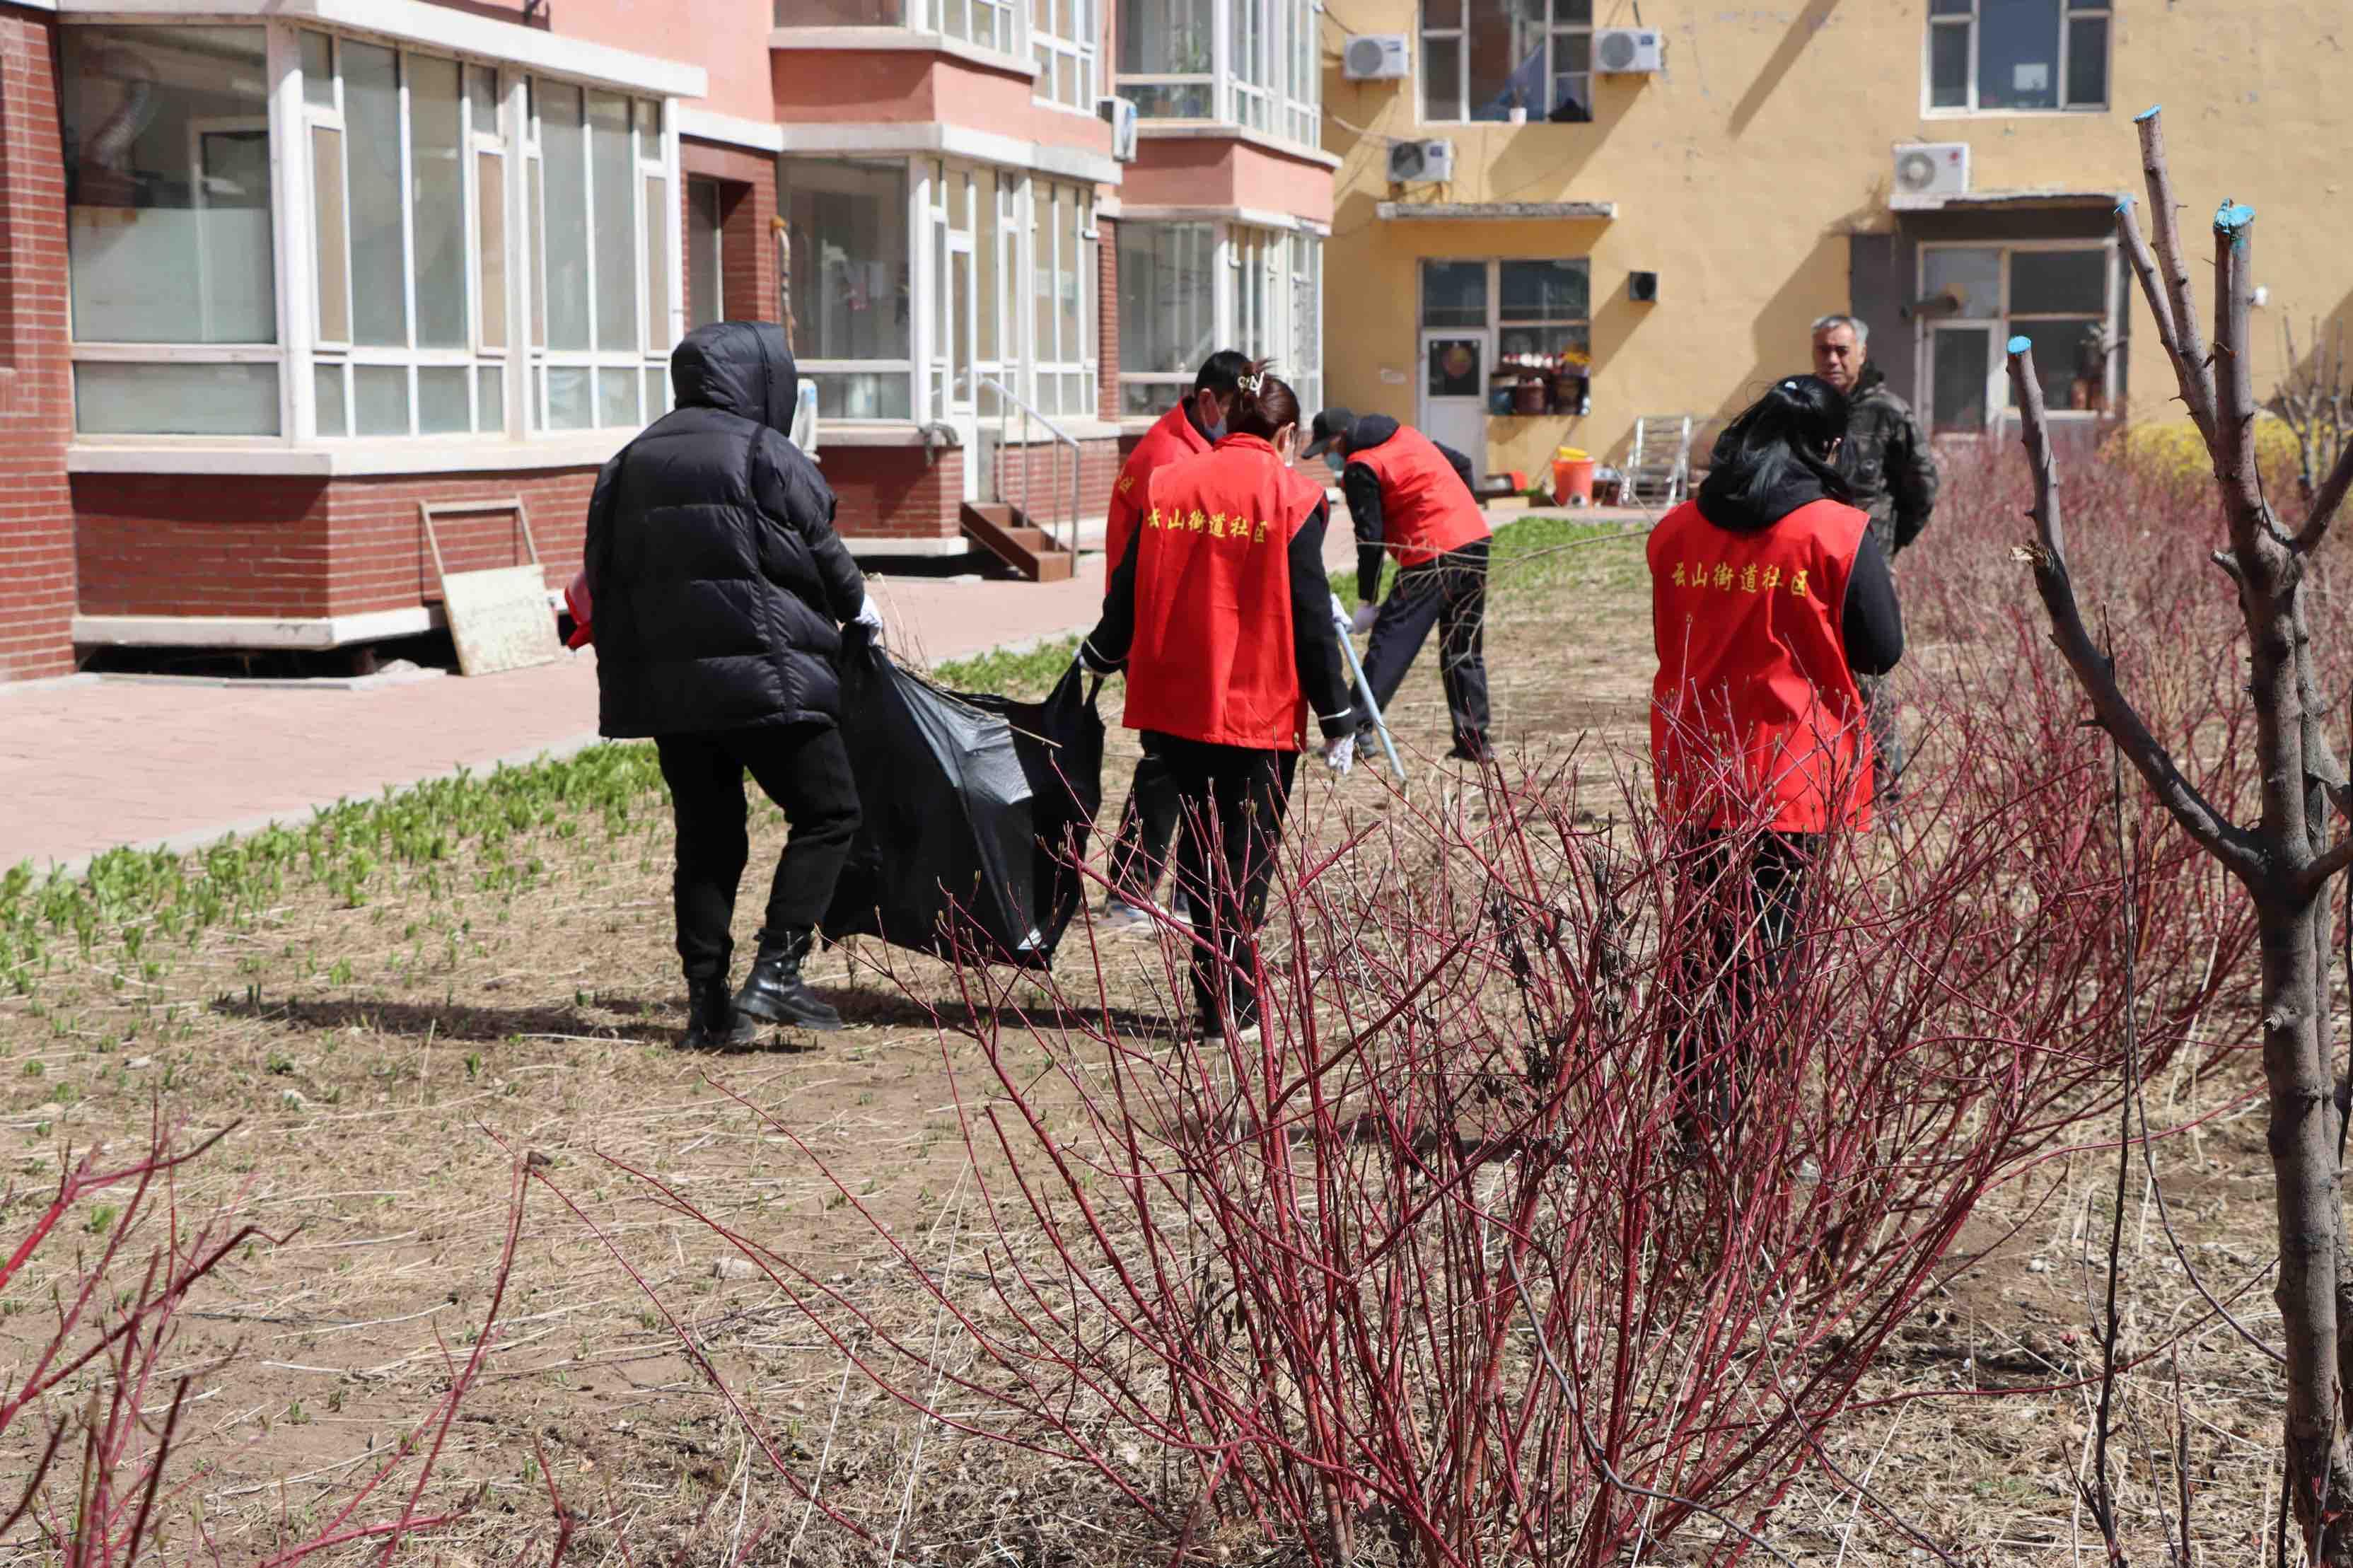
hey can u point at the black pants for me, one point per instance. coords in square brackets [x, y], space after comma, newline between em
[1886, 739]
[1749, 894]
[1450, 592]
[805, 771]
[1230, 802]
[1146, 824]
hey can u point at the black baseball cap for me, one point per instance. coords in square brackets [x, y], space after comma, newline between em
[1330, 425]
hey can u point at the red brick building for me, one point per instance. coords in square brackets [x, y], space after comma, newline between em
[278, 272]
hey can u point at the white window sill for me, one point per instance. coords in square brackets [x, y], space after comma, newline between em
[1229, 131]
[909, 40]
[337, 459]
[2070, 113]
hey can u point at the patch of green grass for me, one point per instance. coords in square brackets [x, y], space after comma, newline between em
[1544, 552]
[1027, 675]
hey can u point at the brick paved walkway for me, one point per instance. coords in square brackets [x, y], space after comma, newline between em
[89, 763]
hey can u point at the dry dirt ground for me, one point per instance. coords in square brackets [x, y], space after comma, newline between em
[386, 1064]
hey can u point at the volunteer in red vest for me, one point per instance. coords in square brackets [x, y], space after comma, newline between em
[1768, 599]
[1220, 613]
[1149, 819]
[1410, 498]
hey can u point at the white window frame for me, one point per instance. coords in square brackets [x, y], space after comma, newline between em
[1281, 95]
[1555, 29]
[1269, 304]
[2002, 325]
[298, 351]
[1048, 47]
[2070, 12]
[915, 211]
[1005, 34]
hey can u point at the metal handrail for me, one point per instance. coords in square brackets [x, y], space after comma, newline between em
[1007, 400]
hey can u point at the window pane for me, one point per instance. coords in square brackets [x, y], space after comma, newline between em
[657, 393]
[849, 228]
[1441, 78]
[491, 260]
[705, 287]
[983, 248]
[381, 399]
[863, 397]
[535, 258]
[563, 154]
[1169, 100]
[1973, 277]
[2087, 62]
[371, 110]
[327, 387]
[1069, 269]
[175, 399]
[1506, 50]
[491, 394]
[442, 399]
[332, 262]
[960, 340]
[1165, 38]
[2018, 53]
[1948, 7]
[318, 70]
[1572, 79]
[657, 262]
[1543, 290]
[438, 183]
[1574, 343]
[616, 184]
[483, 91]
[1453, 293]
[1948, 68]
[2058, 283]
[167, 184]
[1958, 379]
[567, 398]
[2068, 361]
[1167, 298]
[1041, 257]
[617, 398]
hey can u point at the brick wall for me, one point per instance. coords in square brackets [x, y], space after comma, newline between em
[894, 492]
[159, 545]
[37, 526]
[747, 209]
[1107, 317]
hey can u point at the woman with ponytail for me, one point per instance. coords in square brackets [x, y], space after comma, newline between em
[1219, 611]
[1769, 597]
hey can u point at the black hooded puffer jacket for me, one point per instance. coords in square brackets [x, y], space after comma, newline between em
[720, 586]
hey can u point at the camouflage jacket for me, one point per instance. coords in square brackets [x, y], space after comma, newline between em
[1887, 460]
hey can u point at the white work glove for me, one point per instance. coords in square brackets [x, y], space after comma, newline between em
[869, 615]
[1362, 621]
[1340, 755]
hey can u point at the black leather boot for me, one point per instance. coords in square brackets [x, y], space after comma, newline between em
[712, 1022]
[775, 990]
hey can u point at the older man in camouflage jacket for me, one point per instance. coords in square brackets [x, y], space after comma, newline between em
[1887, 460]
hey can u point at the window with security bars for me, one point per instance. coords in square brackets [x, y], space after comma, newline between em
[2015, 56]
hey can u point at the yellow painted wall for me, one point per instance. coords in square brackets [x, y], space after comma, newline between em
[1739, 173]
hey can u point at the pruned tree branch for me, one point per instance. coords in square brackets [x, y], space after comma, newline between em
[2326, 499]
[2183, 345]
[2235, 382]
[2199, 817]
[2186, 372]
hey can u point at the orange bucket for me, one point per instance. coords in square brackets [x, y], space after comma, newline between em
[1572, 480]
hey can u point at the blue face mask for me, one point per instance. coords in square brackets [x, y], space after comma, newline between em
[1334, 461]
[1216, 432]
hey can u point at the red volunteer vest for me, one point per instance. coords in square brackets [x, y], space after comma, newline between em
[1755, 708]
[1212, 657]
[1171, 437]
[1425, 509]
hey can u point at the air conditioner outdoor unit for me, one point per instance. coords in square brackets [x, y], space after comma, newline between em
[1929, 168]
[1119, 114]
[1374, 57]
[1628, 51]
[1420, 163]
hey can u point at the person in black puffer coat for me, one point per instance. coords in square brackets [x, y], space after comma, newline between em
[720, 590]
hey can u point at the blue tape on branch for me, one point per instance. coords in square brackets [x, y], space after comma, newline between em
[2147, 115]
[2234, 216]
[2124, 206]
[2019, 345]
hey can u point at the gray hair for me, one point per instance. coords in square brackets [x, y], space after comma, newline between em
[1853, 323]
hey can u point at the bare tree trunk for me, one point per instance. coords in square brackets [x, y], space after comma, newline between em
[2284, 858]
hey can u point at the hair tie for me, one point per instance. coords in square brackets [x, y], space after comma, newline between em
[1246, 382]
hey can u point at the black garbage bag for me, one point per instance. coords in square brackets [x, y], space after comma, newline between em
[976, 811]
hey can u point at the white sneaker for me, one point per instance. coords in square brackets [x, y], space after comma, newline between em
[1118, 915]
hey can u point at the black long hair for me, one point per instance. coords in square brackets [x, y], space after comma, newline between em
[1776, 456]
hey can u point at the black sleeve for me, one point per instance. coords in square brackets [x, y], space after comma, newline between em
[1105, 649]
[1461, 466]
[1315, 641]
[598, 549]
[1873, 619]
[1362, 488]
[794, 498]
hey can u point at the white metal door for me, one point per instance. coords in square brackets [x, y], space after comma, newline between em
[1454, 404]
